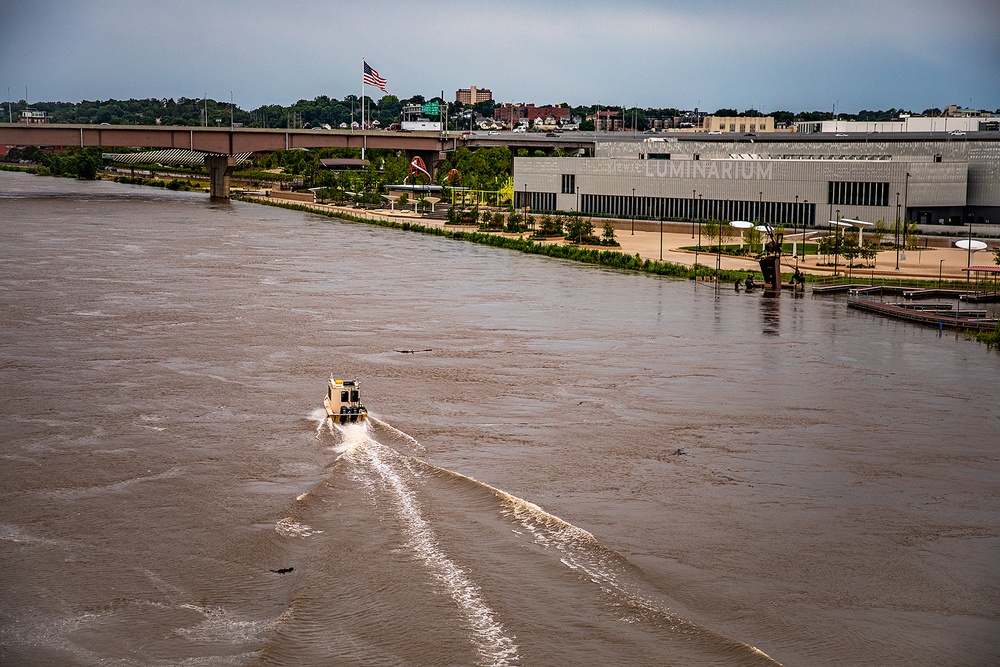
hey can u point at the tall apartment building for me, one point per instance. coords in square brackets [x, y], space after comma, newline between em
[473, 95]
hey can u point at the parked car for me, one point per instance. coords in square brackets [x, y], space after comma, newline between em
[715, 132]
[957, 133]
[841, 134]
[550, 134]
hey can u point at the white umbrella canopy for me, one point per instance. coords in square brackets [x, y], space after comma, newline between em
[741, 225]
[860, 224]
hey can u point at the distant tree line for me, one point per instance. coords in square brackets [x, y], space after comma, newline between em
[330, 111]
[186, 111]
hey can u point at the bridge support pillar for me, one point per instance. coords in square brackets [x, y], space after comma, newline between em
[220, 168]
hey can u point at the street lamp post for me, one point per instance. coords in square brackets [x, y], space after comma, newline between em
[795, 227]
[633, 211]
[805, 202]
[940, 268]
[969, 262]
[718, 258]
[906, 190]
[836, 244]
[897, 231]
[524, 207]
[661, 240]
[692, 212]
[696, 251]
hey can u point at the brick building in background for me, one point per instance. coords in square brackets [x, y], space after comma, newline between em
[473, 95]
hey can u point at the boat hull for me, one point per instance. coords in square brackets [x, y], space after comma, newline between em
[344, 417]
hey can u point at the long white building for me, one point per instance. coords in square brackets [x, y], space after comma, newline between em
[783, 179]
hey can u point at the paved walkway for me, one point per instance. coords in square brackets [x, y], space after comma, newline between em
[912, 263]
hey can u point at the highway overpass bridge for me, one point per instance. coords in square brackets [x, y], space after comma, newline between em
[220, 144]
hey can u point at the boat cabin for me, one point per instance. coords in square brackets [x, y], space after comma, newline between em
[343, 401]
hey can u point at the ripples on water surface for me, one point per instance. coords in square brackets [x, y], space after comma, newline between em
[716, 474]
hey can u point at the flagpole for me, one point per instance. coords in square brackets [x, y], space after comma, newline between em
[364, 144]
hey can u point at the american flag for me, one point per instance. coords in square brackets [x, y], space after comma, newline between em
[372, 78]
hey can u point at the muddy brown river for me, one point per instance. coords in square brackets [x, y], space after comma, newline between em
[565, 465]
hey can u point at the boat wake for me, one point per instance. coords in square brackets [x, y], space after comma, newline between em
[508, 603]
[381, 466]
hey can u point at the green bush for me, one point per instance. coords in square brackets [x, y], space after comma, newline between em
[991, 338]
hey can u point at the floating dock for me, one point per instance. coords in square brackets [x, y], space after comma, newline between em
[941, 315]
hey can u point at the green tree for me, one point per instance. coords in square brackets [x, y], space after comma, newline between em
[549, 225]
[910, 232]
[849, 249]
[753, 238]
[880, 231]
[513, 223]
[485, 108]
[725, 231]
[710, 230]
[609, 233]
[486, 219]
[870, 250]
[579, 229]
[825, 245]
[783, 117]
[481, 169]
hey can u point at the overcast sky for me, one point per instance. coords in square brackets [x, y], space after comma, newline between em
[793, 55]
